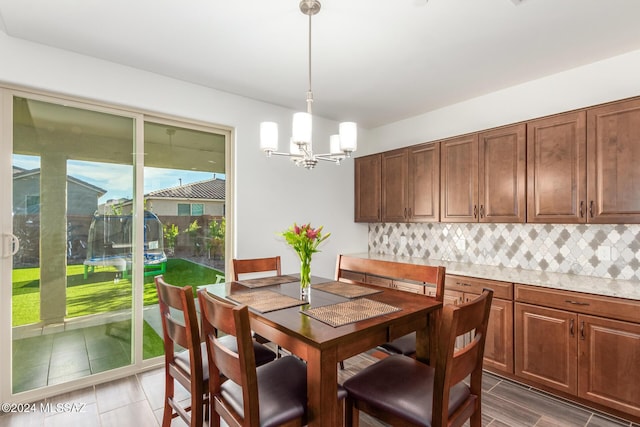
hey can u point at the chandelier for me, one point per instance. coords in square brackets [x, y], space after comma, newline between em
[300, 145]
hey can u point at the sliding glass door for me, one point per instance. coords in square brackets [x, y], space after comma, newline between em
[72, 193]
[97, 202]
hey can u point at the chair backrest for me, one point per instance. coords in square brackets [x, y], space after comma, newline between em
[218, 316]
[180, 326]
[256, 265]
[394, 270]
[454, 365]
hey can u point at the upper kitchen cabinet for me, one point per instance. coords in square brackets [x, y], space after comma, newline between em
[613, 159]
[502, 174]
[556, 165]
[459, 179]
[367, 188]
[410, 184]
[483, 176]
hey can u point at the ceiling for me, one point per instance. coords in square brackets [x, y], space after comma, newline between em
[374, 61]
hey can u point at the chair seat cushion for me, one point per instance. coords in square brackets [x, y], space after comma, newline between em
[263, 353]
[282, 391]
[404, 345]
[402, 386]
[182, 360]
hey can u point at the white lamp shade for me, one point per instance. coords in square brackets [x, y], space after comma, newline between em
[301, 127]
[348, 136]
[334, 145]
[269, 136]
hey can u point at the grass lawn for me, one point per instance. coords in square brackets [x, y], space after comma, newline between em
[98, 293]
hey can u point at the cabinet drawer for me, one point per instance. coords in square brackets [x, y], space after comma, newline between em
[472, 285]
[352, 275]
[578, 302]
[408, 287]
[379, 281]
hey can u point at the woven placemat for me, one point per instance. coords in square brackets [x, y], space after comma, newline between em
[267, 281]
[346, 290]
[265, 301]
[352, 311]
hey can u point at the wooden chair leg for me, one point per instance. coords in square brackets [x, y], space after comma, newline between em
[167, 415]
[351, 414]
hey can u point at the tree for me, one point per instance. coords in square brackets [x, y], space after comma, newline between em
[194, 236]
[170, 233]
[216, 238]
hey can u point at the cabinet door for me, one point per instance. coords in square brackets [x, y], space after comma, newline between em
[459, 179]
[609, 353]
[502, 174]
[545, 346]
[394, 186]
[556, 169]
[367, 188]
[424, 183]
[613, 162]
[498, 348]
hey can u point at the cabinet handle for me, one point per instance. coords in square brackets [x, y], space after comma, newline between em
[571, 326]
[462, 284]
[581, 208]
[475, 211]
[591, 208]
[481, 211]
[568, 301]
[582, 336]
[409, 212]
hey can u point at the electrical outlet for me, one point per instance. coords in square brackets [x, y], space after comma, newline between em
[461, 244]
[385, 239]
[403, 240]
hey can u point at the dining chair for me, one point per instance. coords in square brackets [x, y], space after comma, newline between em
[402, 391]
[188, 367]
[258, 265]
[274, 394]
[406, 344]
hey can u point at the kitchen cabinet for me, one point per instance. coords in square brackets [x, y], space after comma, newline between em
[395, 186]
[411, 183]
[582, 345]
[483, 176]
[583, 166]
[498, 350]
[367, 188]
[613, 159]
[556, 164]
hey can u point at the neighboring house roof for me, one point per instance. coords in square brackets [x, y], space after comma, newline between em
[23, 173]
[210, 189]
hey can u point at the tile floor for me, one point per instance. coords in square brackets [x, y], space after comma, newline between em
[137, 401]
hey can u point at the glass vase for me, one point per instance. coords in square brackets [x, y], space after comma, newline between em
[305, 277]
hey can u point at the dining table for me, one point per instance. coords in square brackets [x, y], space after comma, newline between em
[333, 323]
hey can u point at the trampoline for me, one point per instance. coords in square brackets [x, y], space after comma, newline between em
[110, 244]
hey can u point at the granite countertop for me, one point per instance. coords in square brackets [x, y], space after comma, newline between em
[568, 282]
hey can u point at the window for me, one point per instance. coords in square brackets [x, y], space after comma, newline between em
[197, 209]
[194, 209]
[33, 204]
[184, 209]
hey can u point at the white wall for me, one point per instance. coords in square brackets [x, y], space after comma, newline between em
[604, 81]
[270, 194]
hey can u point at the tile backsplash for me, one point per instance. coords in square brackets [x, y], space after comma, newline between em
[607, 251]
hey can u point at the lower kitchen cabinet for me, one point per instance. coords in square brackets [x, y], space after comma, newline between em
[564, 342]
[498, 350]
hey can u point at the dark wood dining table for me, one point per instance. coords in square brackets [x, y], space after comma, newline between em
[322, 346]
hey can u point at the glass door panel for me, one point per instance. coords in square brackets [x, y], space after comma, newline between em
[184, 189]
[72, 210]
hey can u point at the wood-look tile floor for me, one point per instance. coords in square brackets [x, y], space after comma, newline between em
[137, 401]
